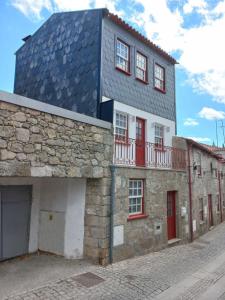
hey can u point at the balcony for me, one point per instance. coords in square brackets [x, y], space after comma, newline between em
[148, 155]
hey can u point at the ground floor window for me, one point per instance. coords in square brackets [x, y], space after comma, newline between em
[136, 196]
[217, 203]
[201, 210]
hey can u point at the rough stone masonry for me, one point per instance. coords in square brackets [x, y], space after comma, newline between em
[34, 143]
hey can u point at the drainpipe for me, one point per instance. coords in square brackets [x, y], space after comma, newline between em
[112, 202]
[190, 193]
[220, 196]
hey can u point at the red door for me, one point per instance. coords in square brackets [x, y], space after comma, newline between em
[140, 142]
[171, 215]
[210, 210]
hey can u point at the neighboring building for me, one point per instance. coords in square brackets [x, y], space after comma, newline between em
[206, 171]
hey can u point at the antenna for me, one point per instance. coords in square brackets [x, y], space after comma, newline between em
[216, 135]
[222, 126]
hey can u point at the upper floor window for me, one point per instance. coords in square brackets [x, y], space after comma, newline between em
[159, 78]
[136, 196]
[121, 127]
[122, 56]
[141, 67]
[199, 163]
[159, 135]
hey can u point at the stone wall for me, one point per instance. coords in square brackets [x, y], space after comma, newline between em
[203, 185]
[34, 143]
[150, 233]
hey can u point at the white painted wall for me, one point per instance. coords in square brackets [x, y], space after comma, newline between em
[57, 214]
[74, 227]
[151, 119]
[62, 209]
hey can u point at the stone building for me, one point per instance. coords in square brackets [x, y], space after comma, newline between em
[54, 180]
[205, 171]
[124, 184]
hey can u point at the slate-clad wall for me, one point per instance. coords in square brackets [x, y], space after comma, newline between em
[127, 89]
[60, 63]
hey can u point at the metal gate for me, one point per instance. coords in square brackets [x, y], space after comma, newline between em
[15, 208]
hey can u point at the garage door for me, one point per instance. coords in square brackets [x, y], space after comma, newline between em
[15, 207]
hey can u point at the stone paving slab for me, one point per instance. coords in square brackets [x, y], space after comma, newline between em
[146, 277]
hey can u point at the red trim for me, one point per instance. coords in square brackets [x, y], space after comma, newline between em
[136, 217]
[123, 71]
[146, 71]
[159, 90]
[145, 82]
[118, 68]
[164, 79]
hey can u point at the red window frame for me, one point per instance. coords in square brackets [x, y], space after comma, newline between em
[145, 80]
[163, 90]
[141, 214]
[127, 72]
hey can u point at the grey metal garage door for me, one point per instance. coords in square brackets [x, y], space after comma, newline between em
[15, 208]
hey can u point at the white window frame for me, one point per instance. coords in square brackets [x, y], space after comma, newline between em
[141, 66]
[159, 77]
[199, 163]
[122, 56]
[159, 136]
[136, 197]
[119, 128]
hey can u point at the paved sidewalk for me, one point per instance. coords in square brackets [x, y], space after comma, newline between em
[199, 265]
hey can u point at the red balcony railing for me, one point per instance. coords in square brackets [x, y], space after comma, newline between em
[127, 153]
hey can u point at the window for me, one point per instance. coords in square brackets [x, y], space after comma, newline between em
[122, 56]
[136, 197]
[217, 203]
[199, 164]
[223, 201]
[201, 210]
[121, 127]
[141, 67]
[159, 78]
[159, 133]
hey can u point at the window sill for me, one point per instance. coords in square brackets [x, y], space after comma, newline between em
[136, 217]
[142, 81]
[159, 90]
[123, 71]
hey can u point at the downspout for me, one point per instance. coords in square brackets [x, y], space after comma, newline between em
[112, 202]
[220, 196]
[190, 193]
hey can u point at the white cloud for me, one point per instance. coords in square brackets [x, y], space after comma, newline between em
[32, 8]
[211, 114]
[200, 139]
[190, 122]
[191, 5]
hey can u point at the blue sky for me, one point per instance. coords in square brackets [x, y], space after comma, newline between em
[190, 30]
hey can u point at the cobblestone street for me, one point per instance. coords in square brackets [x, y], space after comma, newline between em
[162, 275]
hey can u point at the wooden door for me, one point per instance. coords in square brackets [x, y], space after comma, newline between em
[210, 210]
[140, 142]
[171, 215]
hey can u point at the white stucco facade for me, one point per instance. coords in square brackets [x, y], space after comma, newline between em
[57, 214]
[150, 121]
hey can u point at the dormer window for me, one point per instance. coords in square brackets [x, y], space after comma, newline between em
[159, 78]
[122, 56]
[141, 67]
